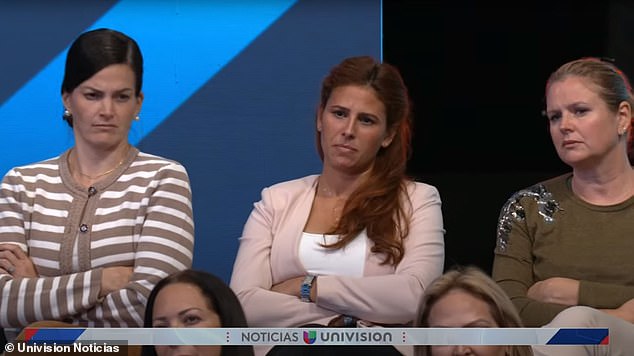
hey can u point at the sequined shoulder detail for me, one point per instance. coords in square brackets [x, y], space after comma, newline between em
[513, 209]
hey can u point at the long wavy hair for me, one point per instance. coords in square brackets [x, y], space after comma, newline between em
[475, 282]
[612, 86]
[378, 204]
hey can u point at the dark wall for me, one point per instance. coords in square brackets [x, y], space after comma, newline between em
[476, 75]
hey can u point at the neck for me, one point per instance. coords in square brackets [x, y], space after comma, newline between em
[339, 185]
[604, 187]
[89, 166]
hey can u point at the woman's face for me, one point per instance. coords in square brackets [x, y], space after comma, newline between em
[353, 127]
[103, 107]
[460, 309]
[182, 305]
[583, 129]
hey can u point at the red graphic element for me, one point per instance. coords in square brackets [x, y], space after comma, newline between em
[605, 341]
[29, 332]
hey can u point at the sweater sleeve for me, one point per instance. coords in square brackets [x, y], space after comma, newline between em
[24, 300]
[252, 279]
[368, 297]
[373, 298]
[513, 266]
[164, 246]
[604, 295]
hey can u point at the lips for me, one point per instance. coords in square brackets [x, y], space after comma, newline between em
[346, 147]
[566, 143]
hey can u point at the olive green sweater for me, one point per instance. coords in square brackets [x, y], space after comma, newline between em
[546, 231]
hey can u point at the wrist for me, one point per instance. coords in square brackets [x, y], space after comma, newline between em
[306, 289]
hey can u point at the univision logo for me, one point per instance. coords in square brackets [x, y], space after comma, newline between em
[310, 337]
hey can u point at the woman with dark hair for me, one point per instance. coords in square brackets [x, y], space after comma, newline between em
[194, 299]
[359, 242]
[86, 235]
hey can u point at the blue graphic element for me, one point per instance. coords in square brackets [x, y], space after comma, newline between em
[58, 335]
[568, 336]
[184, 44]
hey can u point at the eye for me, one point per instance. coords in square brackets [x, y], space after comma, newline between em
[339, 113]
[581, 111]
[367, 120]
[123, 97]
[91, 95]
[189, 320]
[552, 117]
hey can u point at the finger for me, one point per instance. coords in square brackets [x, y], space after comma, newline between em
[9, 256]
[14, 249]
[7, 266]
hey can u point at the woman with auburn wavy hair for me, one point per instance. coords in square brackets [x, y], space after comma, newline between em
[332, 249]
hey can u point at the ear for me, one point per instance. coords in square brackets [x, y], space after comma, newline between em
[389, 137]
[139, 102]
[66, 101]
[624, 115]
[319, 115]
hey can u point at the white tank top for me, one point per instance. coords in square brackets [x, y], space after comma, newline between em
[318, 260]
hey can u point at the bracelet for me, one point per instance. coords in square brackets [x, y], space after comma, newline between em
[307, 285]
[349, 321]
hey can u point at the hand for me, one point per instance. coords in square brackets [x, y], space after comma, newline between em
[16, 262]
[114, 278]
[291, 286]
[557, 290]
[625, 311]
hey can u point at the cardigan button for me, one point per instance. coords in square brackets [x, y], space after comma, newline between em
[83, 228]
[92, 191]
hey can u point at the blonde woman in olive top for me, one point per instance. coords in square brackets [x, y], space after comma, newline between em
[566, 245]
[85, 236]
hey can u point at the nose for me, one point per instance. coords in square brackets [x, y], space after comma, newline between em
[107, 107]
[462, 350]
[350, 127]
[565, 123]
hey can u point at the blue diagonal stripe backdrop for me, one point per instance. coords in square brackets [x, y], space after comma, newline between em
[231, 89]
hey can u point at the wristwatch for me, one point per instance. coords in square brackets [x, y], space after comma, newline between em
[307, 285]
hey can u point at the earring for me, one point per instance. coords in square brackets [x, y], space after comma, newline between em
[67, 115]
[137, 118]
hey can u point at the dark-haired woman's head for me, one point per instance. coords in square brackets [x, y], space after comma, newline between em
[91, 53]
[194, 299]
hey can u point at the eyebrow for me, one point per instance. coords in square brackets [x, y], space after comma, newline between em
[479, 323]
[335, 106]
[100, 90]
[181, 313]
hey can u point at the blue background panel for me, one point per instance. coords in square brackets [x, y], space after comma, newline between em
[231, 90]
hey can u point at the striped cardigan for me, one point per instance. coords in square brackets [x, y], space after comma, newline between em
[139, 216]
